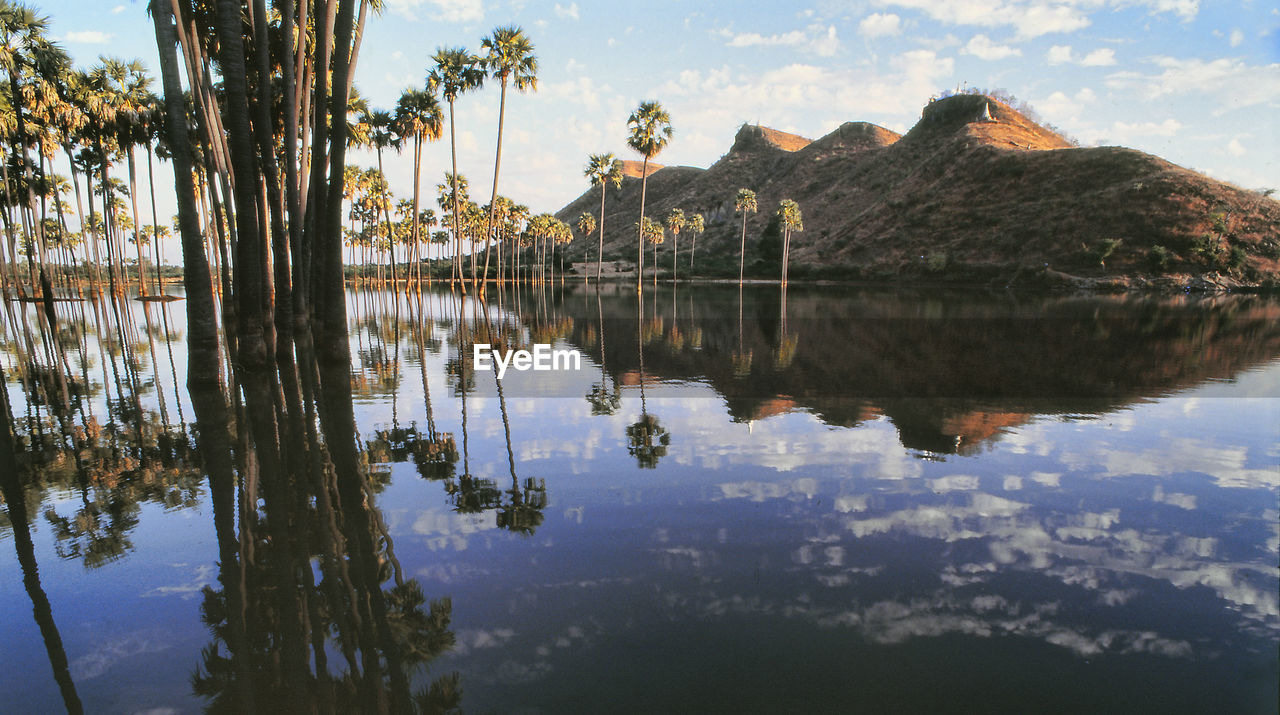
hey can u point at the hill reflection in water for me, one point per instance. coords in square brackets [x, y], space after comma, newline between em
[738, 504]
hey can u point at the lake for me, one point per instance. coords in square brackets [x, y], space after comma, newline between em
[829, 500]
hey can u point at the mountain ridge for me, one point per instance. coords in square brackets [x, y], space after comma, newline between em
[974, 191]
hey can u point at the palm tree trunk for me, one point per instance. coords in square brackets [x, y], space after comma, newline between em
[329, 247]
[417, 176]
[386, 212]
[249, 284]
[457, 238]
[155, 218]
[786, 253]
[137, 227]
[293, 198]
[202, 322]
[742, 248]
[644, 184]
[600, 238]
[493, 197]
[655, 265]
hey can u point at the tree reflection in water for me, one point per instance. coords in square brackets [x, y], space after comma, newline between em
[307, 566]
[311, 609]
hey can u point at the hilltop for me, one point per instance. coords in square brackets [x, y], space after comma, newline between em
[974, 191]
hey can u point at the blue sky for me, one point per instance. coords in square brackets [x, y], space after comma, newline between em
[1197, 83]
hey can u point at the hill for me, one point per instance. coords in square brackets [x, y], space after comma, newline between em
[974, 191]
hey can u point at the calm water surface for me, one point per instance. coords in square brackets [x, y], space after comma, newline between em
[832, 501]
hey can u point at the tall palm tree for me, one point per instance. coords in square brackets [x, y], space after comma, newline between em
[380, 134]
[456, 71]
[649, 131]
[695, 226]
[675, 222]
[509, 56]
[791, 220]
[133, 102]
[418, 116]
[587, 224]
[745, 204]
[602, 169]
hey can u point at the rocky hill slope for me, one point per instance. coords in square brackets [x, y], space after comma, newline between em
[974, 191]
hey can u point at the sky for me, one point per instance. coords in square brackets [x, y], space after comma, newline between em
[1197, 83]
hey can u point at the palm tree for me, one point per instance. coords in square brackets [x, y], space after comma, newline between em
[651, 232]
[456, 71]
[791, 220]
[133, 103]
[380, 134]
[745, 204]
[696, 226]
[418, 116]
[650, 130]
[602, 169]
[675, 222]
[451, 195]
[509, 57]
[587, 224]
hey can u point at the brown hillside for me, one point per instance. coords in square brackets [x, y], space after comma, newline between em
[965, 194]
[752, 136]
[635, 169]
[857, 136]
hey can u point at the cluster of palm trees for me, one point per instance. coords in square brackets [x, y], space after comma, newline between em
[98, 120]
[790, 220]
[648, 133]
[507, 56]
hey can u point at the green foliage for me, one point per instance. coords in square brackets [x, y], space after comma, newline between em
[1103, 249]
[1237, 259]
[1159, 258]
[936, 262]
[1210, 247]
[1213, 245]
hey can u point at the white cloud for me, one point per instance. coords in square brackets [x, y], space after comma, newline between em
[1033, 18]
[1186, 9]
[1063, 54]
[1237, 38]
[1029, 18]
[1060, 108]
[1233, 82]
[880, 25]
[816, 39]
[569, 12]
[983, 48]
[89, 37]
[117, 9]
[1235, 148]
[1125, 131]
[442, 10]
[1104, 57]
[923, 65]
